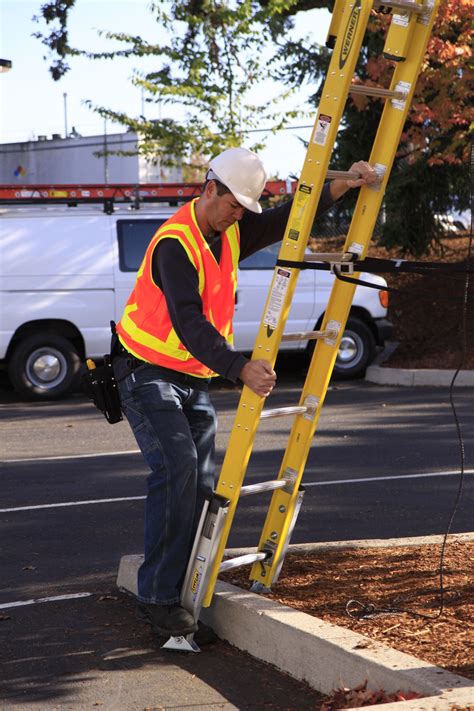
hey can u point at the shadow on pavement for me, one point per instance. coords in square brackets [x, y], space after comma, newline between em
[94, 652]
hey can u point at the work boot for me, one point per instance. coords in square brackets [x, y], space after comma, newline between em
[172, 620]
[204, 636]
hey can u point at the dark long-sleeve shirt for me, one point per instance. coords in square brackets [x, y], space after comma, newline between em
[176, 276]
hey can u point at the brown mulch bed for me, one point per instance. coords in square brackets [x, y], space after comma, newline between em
[321, 584]
[426, 324]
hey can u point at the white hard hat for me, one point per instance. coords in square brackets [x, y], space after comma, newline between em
[243, 173]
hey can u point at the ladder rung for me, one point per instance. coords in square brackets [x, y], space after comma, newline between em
[330, 257]
[241, 560]
[345, 175]
[404, 5]
[304, 336]
[342, 175]
[283, 411]
[376, 91]
[263, 486]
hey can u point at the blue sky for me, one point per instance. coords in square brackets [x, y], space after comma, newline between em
[32, 103]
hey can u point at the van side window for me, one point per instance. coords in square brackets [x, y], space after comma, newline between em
[264, 259]
[133, 238]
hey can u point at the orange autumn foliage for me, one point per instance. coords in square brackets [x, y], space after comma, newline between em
[442, 110]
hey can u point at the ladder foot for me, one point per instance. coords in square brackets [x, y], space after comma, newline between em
[182, 644]
[259, 588]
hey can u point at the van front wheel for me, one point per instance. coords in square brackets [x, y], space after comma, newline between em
[356, 350]
[43, 367]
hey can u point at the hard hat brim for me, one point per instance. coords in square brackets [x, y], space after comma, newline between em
[248, 203]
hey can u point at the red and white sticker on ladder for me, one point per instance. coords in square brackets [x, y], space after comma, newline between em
[321, 129]
[276, 300]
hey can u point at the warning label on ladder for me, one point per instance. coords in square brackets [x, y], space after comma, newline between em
[322, 129]
[277, 297]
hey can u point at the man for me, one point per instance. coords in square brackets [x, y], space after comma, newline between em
[175, 334]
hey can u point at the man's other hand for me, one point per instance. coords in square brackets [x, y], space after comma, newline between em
[368, 176]
[259, 376]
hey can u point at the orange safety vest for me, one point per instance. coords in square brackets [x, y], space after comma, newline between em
[145, 328]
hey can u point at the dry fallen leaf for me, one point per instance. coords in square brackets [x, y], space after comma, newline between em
[361, 696]
[363, 644]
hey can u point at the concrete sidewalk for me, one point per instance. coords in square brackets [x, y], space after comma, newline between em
[92, 653]
[323, 655]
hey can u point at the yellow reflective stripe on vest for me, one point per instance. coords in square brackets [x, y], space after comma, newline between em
[187, 232]
[229, 339]
[173, 342]
[233, 234]
[168, 347]
[211, 317]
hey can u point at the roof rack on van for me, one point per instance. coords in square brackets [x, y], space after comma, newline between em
[108, 194]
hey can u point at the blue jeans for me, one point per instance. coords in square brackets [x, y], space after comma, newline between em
[174, 424]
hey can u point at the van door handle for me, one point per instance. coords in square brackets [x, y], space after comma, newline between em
[236, 297]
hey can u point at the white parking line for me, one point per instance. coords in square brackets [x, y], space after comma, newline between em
[454, 472]
[36, 601]
[68, 456]
[72, 503]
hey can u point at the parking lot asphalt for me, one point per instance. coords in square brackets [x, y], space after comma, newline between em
[385, 463]
[92, 653]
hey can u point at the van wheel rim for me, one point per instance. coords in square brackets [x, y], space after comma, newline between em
[350, 350]
[46, 367]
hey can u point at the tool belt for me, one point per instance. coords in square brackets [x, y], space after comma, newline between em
[100, 386]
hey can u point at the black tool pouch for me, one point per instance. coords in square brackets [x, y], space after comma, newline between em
[100, 386]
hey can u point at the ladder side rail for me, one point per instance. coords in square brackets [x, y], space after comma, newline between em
[335, 92]
[336, 21]
[277, 524]
[358, 239]
[400, 34]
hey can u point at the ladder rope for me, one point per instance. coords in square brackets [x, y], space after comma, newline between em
[394, 290]
[374, 265]
[371, 266]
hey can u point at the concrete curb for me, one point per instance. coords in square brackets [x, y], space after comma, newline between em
[324, 655]
[411, 377]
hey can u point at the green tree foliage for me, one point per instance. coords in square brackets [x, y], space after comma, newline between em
[209, 65]
[219, 50]
[56, 13]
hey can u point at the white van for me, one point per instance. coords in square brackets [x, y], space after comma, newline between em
[66, 272]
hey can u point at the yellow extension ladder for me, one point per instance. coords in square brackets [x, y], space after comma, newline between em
[406, 42]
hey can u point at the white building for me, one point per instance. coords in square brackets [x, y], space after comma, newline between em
[80, 159]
